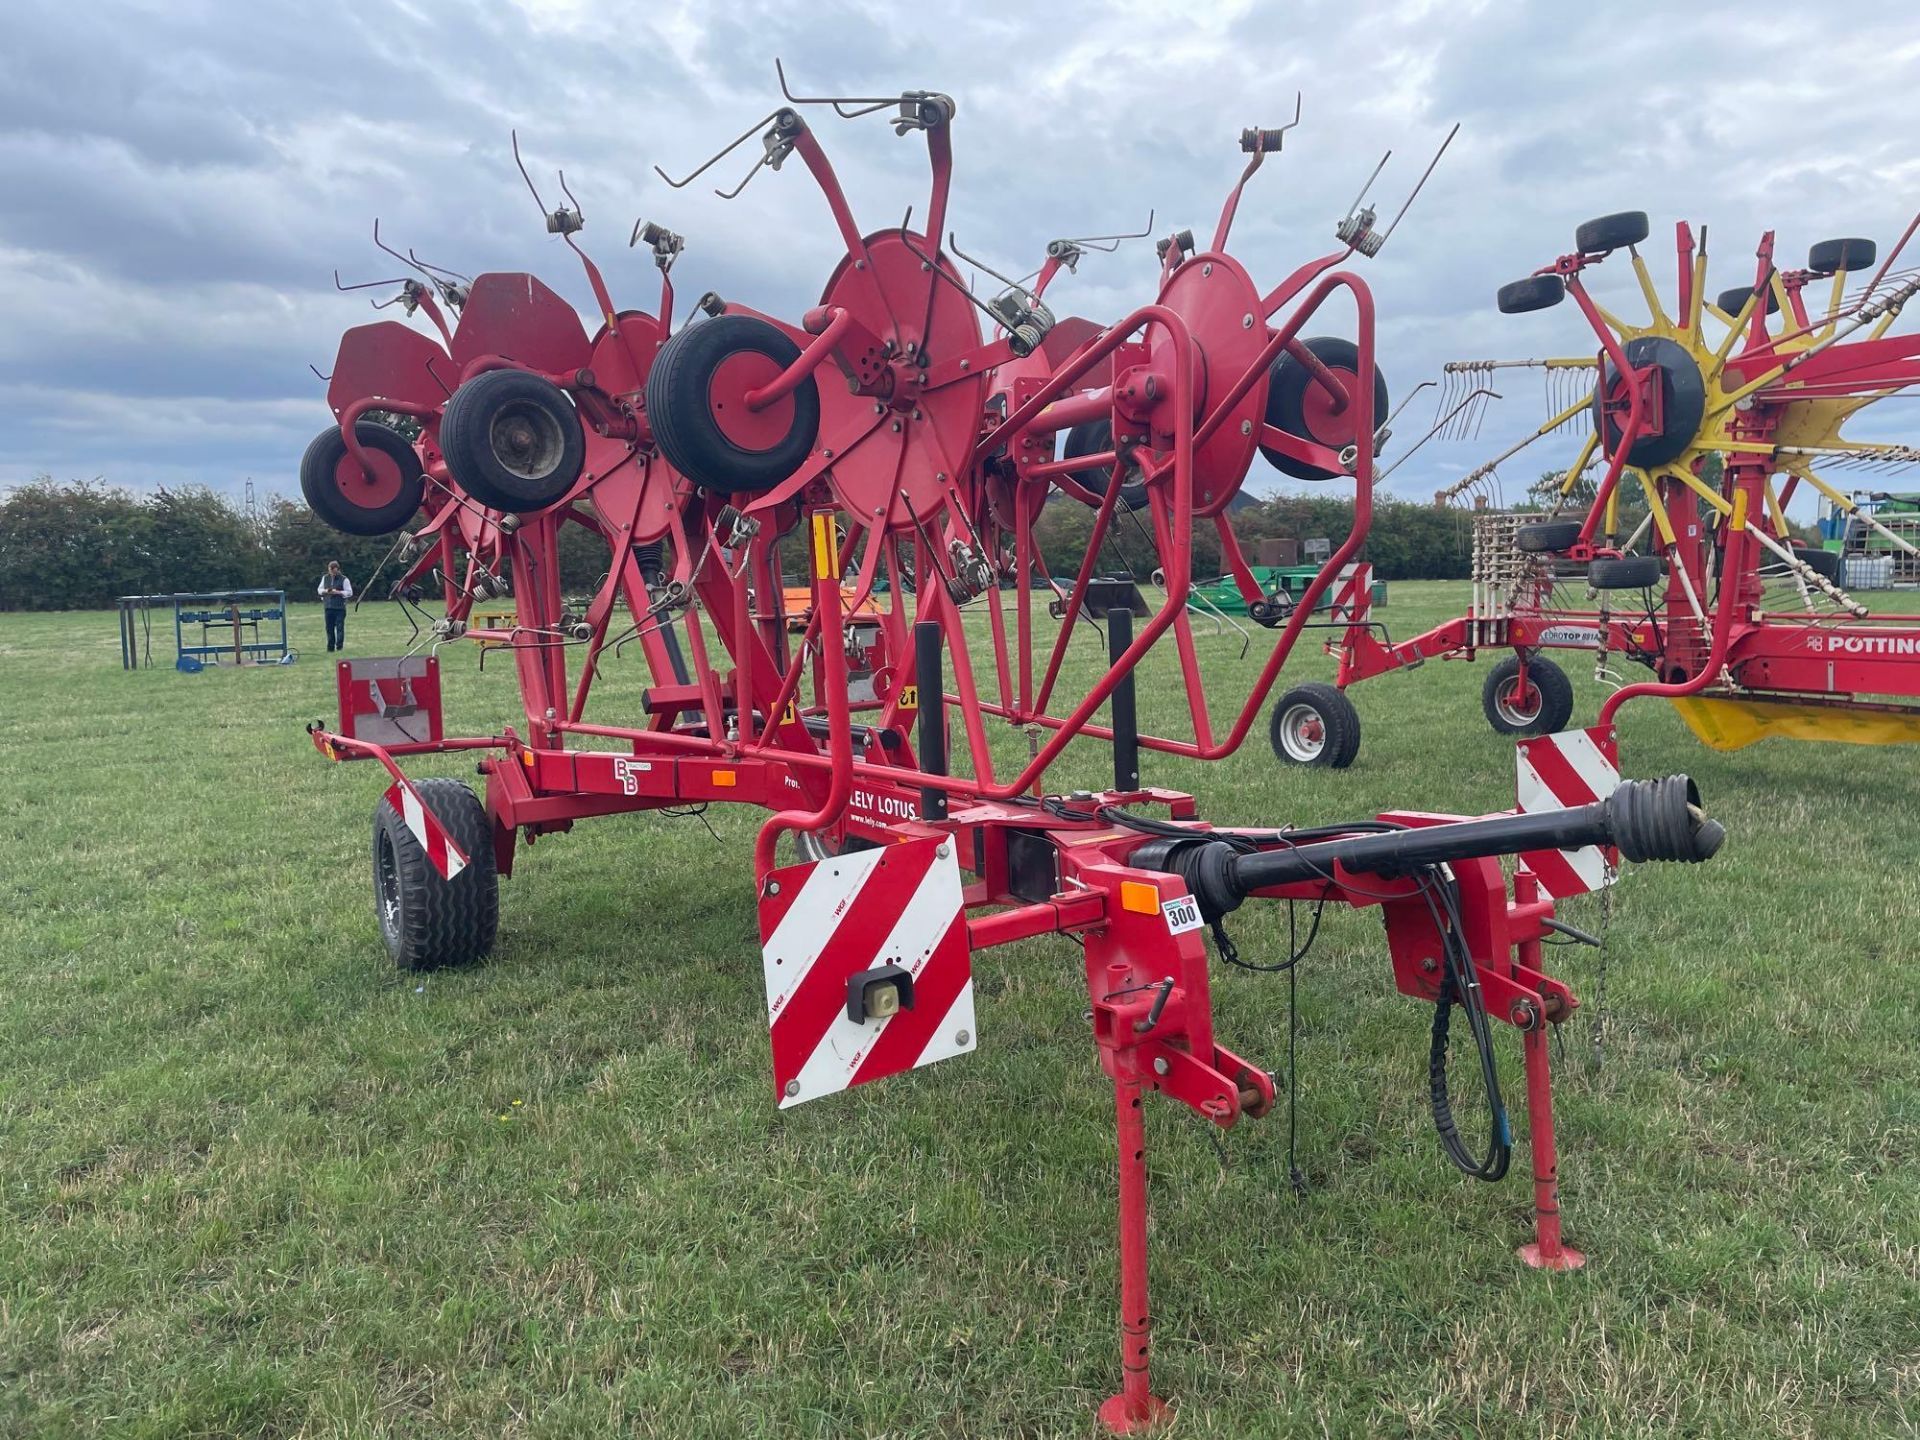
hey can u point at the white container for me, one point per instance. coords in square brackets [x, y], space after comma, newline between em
[1867, 572]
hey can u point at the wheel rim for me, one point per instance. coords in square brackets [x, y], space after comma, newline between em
[1324, 424]
[733, 378]
[1303, 733]
[527, 440]
[386, 877]
[1518, 707]
[374, 488]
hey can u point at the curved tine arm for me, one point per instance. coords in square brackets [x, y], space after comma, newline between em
[758, 166]
[324, 379]
[953, 244]
[565, 190]
[1414, 194]
[1438, 425]
[367, 284]
[436, 269]
[721, 154]
[532, 189]
[933, 267]
[393, 252]
[867, 104]
[1108, 243]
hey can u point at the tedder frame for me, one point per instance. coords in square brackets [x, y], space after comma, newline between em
[890, 434]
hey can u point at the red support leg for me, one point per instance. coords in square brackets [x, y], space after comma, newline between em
[1136, 1408]
[1546, 1252]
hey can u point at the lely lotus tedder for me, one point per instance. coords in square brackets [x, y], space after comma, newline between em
[1667, 544]
[905, 430]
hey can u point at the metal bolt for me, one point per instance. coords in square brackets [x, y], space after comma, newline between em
[1246, 322]
[793, 1088]
[966, 364]
[1160, 1065]
[896, 427]
[773, 887]
[1205, 270]
[946, 849]
[1246, 427]
[961, 1037]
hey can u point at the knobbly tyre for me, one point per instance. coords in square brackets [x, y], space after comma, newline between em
[1712, 419]
[906, 427]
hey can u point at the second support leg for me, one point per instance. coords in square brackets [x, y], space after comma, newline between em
[1545, 1252]
[1136, 1408]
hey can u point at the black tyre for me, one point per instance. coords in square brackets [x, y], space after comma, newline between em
[1824, 563]
[1734, 300]
[352, 500]
[1611, 232]
[696, 404]
[1626, 572]
[512, 440]
[1315, 724]
[1298, 405]
[1543, 537]
[1536, 292]
[425, 921]
[1683, 392]
[1546, 706]
[1095, 437]
[1850, 254]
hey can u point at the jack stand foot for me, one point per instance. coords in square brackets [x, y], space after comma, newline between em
[1563, 1257]
[1119, 1417]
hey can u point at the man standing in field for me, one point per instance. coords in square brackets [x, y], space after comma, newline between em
[335, 590]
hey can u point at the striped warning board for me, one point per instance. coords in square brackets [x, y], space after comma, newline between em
[1353, 593]
[824, 924]
[444, 855]
[1561, 772]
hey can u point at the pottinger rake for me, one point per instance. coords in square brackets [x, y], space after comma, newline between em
[1711, 418]
[906, 426]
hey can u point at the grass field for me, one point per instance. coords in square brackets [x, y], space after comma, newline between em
[253, 1182]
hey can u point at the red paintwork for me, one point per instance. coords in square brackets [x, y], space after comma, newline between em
[936, 440]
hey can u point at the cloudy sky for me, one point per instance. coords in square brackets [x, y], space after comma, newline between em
[182, 177]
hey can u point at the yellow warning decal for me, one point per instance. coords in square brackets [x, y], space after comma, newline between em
[825, 556]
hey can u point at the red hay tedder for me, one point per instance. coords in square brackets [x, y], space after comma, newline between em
[905, 431]
[1704, 423]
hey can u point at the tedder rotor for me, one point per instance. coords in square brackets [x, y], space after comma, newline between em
[894, 447]
[1666, 541]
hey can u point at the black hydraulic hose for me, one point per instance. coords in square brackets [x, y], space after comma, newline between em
[1460, 984]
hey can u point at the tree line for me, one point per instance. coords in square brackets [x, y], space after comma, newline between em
[80, 544]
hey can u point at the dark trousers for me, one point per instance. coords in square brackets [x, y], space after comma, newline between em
[336, 628]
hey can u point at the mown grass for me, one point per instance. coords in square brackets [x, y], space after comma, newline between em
[254, 1183]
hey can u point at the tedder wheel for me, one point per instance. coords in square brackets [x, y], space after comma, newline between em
[1626, 572]
[1315, 724]
[1611, 232]
[1536, 292]
[348, 498]
[1734, 301]
[1546, 706]
[428, 922]
[696, 402]
[1545, 536]
[513, 440]
[1092, 437]
[1824, 563]
[1299, 406]
[1829, 256]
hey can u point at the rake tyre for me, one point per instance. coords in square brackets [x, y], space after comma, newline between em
[1829, 256]
[696, 403]
[1611, 232]
[1824, 563]
[1626, 572]
[513, 440]
[427, 922]
[1095, 437]
[1298, 405]
[1536, 292]
[355, 501]
[1734, 301]
[1315, 724]
[1543, 537]
[1543, 710]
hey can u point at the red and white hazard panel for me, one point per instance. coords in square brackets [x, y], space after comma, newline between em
[867, 967]
[1562, 772]
[1353, 594]
[442, 852]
